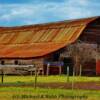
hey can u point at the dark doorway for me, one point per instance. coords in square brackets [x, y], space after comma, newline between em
[16, 62]
[68, 62]
[56, 56]
[2, 62]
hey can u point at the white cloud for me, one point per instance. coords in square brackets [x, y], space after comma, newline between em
[45, 12]
[18, 11]
[79, 2]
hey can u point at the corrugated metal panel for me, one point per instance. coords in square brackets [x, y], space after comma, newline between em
[37, 36]
[39, 40]
[36, 49]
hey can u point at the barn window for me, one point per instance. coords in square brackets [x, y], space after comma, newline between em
[16, 62]
[2, 62]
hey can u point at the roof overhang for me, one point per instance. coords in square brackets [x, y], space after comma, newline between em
[40, 40]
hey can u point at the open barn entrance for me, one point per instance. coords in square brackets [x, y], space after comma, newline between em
[68, 62]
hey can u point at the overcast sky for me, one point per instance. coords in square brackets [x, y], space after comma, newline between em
[23, 12]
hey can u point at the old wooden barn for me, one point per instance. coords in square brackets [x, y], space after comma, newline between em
[53, 47]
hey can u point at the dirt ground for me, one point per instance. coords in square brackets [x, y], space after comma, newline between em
[82, 85]
[77, 85]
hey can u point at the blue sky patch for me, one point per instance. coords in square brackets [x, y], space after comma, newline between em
[25, 12]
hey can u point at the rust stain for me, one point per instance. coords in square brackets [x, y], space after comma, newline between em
[39, 40]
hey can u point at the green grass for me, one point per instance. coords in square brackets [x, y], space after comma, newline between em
[20, 93]
[28, 93]
[48, 79]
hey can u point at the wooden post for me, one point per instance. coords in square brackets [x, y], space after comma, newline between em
[31, 73]
[42, 72]
[2, 76]
[59, 70]
[47, 72]
[97, 56]
[80, 74]
[36, 75]
[67, 73]
[73, 79]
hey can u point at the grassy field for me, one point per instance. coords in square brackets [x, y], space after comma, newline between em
[29, 93]
[48, 79]
[19, 93]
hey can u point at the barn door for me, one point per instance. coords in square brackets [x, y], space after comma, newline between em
[98, 67]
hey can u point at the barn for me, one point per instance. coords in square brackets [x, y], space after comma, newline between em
[53, 47]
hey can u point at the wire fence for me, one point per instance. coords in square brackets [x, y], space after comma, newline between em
[34, 73]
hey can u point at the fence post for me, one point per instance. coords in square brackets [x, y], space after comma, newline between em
[73, 79]
[31, 73]
[2, 76]
[80, 74]
[67, 73]
[60, 70]
[47, 72]
[35, 82]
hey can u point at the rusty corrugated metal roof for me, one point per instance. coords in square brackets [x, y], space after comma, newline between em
[39, 40]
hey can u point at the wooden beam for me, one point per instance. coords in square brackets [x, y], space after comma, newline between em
[92, 33]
